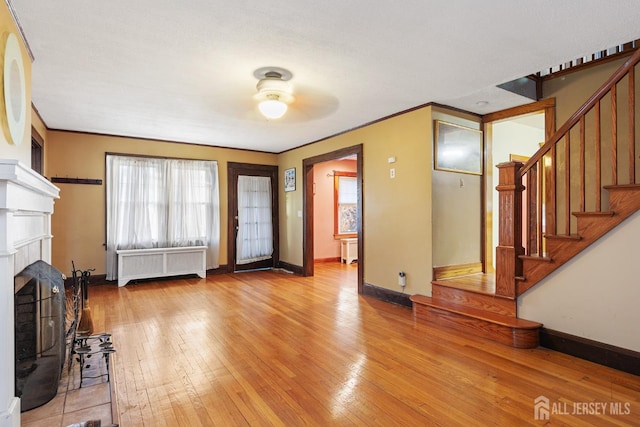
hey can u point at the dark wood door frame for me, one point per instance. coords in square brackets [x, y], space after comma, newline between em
[548, 106]
[307, 207]
[249, 169]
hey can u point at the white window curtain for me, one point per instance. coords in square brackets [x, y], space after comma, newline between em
[255, 231]
[155, 203]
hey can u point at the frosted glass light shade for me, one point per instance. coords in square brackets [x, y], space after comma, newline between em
[272, 108]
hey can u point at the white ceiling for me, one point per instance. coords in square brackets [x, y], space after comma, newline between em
[183, 71]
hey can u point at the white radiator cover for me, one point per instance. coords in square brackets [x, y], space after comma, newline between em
[161, 262]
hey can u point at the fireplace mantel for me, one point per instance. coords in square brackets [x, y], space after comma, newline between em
[26, 206]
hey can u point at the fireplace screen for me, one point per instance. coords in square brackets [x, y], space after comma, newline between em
[40, 346]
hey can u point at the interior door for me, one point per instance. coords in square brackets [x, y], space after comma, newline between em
[253, 217]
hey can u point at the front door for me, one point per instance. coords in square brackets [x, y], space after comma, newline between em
[253, 220]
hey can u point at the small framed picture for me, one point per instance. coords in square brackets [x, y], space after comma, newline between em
[290, 179]
[458, 148]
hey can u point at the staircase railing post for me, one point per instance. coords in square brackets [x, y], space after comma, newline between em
[508, 263]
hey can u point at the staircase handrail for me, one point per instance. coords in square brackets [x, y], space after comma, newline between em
[583, 110]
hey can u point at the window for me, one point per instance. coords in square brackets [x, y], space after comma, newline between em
[345, 204]
[159, 203]
[36, 155]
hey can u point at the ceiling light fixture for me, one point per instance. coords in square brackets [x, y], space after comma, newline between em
[274, 92]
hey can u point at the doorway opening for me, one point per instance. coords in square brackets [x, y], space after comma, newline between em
[313, 170]
[511, 135]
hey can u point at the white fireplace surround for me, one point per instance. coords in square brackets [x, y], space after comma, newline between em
[26, 206]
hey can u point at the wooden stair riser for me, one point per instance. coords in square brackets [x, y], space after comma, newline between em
[513, 337]
[487, 302]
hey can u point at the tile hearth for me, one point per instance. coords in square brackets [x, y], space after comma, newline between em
[95, 400]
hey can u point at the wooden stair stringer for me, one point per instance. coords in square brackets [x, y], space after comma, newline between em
[624, 201]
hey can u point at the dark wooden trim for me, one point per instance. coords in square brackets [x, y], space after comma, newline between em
[307, 207]
[222, 269]
[233, 171]
[14, 16]
[330, 259]
[590, 64]
[520, 110]
[387, 295]
[295, 269]
[584, 109]
[381, 119]
[139, 138]
[594, 351]
[88, 181]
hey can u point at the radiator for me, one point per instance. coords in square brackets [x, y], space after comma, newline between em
[161, 262]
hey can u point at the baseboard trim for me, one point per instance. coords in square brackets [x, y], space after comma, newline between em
[593, 351]
[386, 295]
[222, 269]
[331, 259]
[295, 269]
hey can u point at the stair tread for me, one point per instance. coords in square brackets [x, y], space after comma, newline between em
[536, 258]
[622, 187]
[563, 236]
[499, 319]
[593, 213]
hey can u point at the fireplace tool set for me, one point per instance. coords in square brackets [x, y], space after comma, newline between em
[83, 343]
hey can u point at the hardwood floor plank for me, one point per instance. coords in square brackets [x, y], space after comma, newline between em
[266, 348]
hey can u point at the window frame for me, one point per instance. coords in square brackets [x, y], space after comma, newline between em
[336, 205]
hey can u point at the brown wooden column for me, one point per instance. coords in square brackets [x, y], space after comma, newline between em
[508, 263]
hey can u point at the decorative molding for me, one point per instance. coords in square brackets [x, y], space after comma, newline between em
[594, 351]
[386, 295]
[16, 21]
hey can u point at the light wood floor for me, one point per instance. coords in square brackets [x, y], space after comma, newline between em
[266, 348]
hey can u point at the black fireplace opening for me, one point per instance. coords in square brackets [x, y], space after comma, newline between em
[40, 344]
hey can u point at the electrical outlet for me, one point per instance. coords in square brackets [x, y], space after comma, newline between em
[402, 279]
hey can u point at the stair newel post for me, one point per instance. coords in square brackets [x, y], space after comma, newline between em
[508, 263]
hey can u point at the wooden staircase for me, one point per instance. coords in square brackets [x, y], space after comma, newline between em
[566, 213]
[463, 305]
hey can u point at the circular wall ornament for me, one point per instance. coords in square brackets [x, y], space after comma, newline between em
[15, 91]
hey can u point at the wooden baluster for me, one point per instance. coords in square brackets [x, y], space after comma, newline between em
[632, 127]
[598, 159]
[531, 219]
[567, 184]
[614, 135]
[508, 263]
[539, 205]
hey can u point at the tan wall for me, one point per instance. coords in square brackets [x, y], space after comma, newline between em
[22, 151]
[78, 224]
[457, 207]
[397, 212]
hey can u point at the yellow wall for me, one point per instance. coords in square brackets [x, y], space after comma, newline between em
[457, 206]
[397, 212]
[78, 223]
[22, 151]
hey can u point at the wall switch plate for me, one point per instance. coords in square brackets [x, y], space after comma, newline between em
[392, 173]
